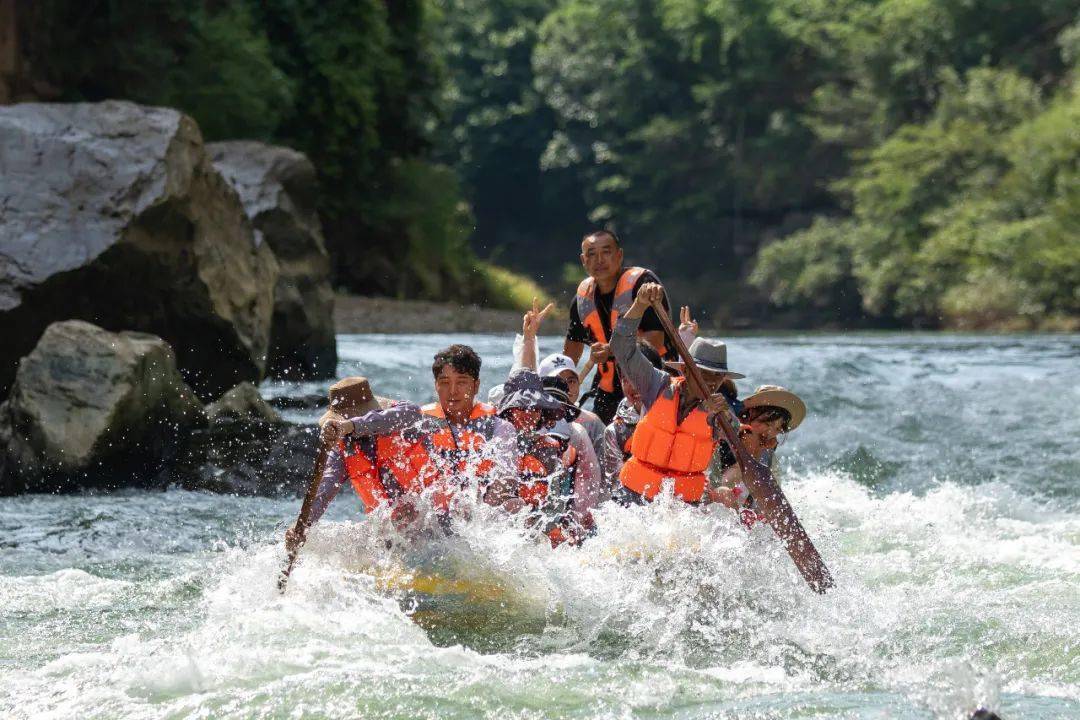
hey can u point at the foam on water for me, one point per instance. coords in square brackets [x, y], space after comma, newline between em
[954, 589]
[943, 602]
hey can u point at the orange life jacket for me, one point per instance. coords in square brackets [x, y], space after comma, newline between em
[372, 467]
[449, 455]
[535, 472]
[589, 314]
[662, 447]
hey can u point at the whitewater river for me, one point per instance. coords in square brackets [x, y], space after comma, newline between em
[940, 476]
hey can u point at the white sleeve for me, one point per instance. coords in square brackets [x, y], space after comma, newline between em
[519, 351]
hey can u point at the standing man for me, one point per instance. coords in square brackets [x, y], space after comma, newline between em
[601, 299]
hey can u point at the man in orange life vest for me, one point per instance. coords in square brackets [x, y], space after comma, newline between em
[456, 442]
[601, 298]
[374, 466]
[676, 436]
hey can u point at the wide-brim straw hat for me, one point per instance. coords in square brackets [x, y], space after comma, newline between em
[350, 397]
[709, 355]
[524, 390]
[781, 397]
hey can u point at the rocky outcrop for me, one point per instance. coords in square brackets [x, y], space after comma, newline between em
[93, 408]
[278, 188]
[267, 460]
[113, 213]
[242, 404]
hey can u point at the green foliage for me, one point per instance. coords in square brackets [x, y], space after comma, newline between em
[917, 159]
[354, 84]
[506, 289]
[968, 219]
[227, 80]
[681, 118]
[811, 266]
[496, 128]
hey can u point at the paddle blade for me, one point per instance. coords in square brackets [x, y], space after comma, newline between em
[785, 523]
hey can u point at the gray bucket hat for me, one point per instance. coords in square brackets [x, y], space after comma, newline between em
[524, 390]
[711, 356]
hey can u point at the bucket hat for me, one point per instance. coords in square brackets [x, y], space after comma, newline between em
[781, 397]
[524, 390]
[710, 355]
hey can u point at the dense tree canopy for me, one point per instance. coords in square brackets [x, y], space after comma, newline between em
[887, 162]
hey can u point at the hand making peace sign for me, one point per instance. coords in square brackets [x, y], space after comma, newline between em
[530, 324]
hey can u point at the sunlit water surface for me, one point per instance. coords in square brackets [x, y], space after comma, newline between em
[938, 474]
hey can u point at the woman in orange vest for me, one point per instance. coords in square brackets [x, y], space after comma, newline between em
[620, 433]
[558, 470]
[675, 439]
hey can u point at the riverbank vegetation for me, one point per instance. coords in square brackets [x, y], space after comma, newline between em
[807, 162]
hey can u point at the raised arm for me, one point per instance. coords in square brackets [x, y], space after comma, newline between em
[635, 367]
[530, 326]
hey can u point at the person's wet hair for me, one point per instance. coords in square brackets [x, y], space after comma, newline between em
[765, 413]
[461, 358]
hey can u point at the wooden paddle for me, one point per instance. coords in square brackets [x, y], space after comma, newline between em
[303, 521]
[758, 478]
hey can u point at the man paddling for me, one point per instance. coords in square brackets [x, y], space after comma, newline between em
[601, 298]
[675, 437]
[460, 443]
[373, 465]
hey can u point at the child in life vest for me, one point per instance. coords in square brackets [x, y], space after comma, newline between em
[766, 415]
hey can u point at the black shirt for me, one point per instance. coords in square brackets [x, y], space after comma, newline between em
[577, 332]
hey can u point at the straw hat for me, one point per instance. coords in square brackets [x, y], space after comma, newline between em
[781, 397]
[349, 398]
[710, 355]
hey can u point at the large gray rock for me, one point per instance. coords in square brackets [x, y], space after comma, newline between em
[279, 190]
[113, 213]
[93, 408]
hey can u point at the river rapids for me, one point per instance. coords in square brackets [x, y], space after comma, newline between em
[938, 474]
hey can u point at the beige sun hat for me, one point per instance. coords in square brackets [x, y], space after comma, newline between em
[781, 397]
[349, 398]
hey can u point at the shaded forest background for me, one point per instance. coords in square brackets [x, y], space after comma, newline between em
[890, 163]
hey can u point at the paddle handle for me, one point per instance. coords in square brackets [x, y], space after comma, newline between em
[758, 478]
[303, 521]
[589, 365]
